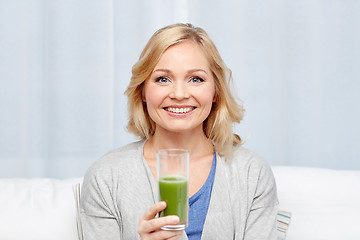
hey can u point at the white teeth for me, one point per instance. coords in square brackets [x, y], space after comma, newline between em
[179, 110]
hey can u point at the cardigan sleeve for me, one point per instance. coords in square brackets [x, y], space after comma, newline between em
[261, 221]
[98, 213]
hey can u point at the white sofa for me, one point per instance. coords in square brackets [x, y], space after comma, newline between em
[325, 204]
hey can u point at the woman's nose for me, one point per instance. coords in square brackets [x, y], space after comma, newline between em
[179, 90]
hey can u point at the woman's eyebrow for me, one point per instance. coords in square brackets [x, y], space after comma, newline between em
[198, 70]
[162, 70]
[190, 71]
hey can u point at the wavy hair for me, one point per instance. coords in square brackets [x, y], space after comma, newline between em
[218, 126]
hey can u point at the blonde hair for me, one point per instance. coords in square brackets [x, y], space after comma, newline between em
[218, 127]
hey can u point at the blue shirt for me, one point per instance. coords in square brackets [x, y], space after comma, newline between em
[199, 204]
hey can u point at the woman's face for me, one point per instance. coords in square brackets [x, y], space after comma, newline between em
[180, 91]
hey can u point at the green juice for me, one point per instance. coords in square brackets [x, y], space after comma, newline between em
[174, 191]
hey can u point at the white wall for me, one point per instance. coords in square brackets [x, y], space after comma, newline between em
[64, 66]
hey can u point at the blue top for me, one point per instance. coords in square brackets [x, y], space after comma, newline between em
[199, 204]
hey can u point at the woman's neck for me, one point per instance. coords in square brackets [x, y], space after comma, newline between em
[194, 141]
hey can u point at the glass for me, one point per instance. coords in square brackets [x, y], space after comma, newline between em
[173, 179]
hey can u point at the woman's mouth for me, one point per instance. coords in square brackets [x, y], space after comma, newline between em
[179, 110]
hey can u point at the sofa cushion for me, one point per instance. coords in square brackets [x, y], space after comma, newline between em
[40, 209]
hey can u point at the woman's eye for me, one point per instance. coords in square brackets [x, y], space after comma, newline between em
[197, 80]
[162, 80]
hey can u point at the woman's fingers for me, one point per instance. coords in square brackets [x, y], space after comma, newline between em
[154, 210]
[156, 223]
[150, 225]
[168, 235]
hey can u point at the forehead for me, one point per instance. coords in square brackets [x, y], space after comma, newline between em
[184, 53]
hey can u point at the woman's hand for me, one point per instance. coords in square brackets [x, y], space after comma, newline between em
[149, 226]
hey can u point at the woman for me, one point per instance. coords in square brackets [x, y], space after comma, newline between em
[179, 97]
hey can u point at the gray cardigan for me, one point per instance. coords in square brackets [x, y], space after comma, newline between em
[119, 188]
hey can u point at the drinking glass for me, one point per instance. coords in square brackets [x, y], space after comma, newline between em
[173, 178]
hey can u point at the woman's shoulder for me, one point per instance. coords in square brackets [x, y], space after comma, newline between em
[243, 154]
[128, 149]
[118, 159]
[243, 158]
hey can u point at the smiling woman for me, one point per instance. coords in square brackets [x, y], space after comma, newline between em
[225, 110]
[179, 98]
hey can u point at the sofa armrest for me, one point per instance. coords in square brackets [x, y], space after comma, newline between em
[325, 203]
[40, 209]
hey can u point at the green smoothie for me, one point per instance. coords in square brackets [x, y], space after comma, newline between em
[174, 191]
